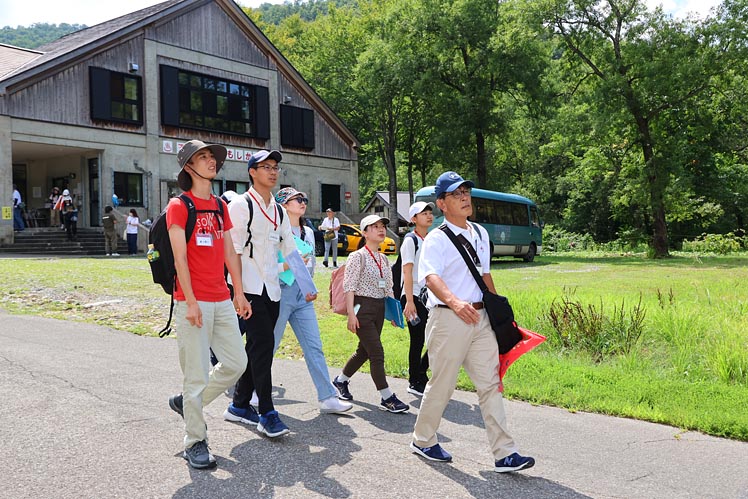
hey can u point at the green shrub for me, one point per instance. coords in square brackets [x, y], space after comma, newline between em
[720, 244]
[589, 328]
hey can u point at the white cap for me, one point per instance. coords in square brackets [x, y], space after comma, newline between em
[418, 207]
[371, 220]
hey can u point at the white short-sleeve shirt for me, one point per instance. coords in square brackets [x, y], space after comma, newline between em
[439, 256]
[409, 254]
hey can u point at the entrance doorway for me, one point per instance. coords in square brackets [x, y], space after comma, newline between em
[330, 197]
[93, 191]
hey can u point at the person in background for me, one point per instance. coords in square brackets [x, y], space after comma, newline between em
[367, 282]
[109, 222]
[69, 215]
[458, 330]
[330, 226]
[18, 224]
[54, 213]
[298, 310]
[416, 313]
[132, 232]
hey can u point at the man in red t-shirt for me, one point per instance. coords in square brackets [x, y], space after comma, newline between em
[204, 313]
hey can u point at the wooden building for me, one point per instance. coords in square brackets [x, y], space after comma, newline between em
[104, 111]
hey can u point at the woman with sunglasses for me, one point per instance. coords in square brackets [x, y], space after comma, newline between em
[298, 310]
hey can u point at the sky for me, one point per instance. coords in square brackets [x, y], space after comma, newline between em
[90, 12]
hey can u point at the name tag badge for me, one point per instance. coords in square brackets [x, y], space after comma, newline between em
[380, 283]
[274, 237]
[204, 240]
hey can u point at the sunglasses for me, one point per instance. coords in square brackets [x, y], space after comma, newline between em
[300, 200]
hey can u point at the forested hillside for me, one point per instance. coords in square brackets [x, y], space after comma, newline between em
[623, 123]
[36, 35]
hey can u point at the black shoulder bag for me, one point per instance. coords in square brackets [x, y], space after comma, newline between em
[499, 311]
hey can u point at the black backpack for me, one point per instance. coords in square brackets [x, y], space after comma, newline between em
[397, 268]
[162, 269]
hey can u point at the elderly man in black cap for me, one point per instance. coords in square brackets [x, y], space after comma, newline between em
[204, 313]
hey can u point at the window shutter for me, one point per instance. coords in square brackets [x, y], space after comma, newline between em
[100, 91]
[308, 120]
[262, 113]
[169, 96]
[286, 119]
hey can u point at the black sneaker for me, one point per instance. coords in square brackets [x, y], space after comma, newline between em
[199, 456]
[177, 404]
[342, 387]
[417, 388]
[324, 263]
[393, 404]
[514, 462]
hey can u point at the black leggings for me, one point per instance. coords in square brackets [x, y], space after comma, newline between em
[417, 364]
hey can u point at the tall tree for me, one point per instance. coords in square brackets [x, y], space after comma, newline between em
[646, 66]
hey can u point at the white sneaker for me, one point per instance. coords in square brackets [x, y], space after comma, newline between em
[108, 254]
[115, 254]
[334, 406]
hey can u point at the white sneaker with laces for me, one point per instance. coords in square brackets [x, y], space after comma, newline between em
[334, 406]
[115, 254]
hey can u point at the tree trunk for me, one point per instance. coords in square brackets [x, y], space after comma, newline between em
[480, 169]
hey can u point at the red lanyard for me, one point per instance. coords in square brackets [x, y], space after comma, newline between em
[419, 235]
[376, 260]
[275, 215]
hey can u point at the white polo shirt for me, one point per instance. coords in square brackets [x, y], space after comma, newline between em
[409, 254]
[267, 238]
[440, 257]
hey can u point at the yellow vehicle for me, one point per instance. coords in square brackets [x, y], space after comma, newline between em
[354, 235]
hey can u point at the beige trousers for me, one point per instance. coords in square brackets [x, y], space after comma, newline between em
[451, 344]
[202, 385]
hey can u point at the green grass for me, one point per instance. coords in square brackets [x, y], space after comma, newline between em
[689, 368]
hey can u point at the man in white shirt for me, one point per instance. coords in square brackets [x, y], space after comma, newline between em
[458, 330]
[331, 224]
[270, 231]
[18, 224]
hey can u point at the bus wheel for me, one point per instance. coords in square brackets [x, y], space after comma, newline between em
[530, 256]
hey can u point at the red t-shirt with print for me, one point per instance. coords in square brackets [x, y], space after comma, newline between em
[205, 260]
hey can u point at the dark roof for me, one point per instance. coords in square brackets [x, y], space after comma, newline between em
[78, 39]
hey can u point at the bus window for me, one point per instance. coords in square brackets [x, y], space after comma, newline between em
[534, 216]
[503, 213]
[520, 215]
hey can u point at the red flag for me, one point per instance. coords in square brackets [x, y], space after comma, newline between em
[530, 339]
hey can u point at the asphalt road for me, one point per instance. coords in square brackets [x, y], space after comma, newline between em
[84, 413]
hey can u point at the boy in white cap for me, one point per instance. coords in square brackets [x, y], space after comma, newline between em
[416, 313]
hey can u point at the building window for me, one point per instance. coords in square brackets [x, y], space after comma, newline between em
[237, 187]
[129, 188]
[203, 102]
[297, 127]
[116, 96]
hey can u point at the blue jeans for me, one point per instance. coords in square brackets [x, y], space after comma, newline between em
[300, 314]
[18, 223]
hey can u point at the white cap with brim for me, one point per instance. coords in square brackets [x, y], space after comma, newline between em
[419, 207]
[372, 219]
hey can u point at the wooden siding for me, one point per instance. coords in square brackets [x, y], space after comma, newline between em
[210, 30]
[64, 96]
[328, 142]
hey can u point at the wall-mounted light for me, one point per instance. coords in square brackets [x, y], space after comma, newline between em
[287, 99]
[133, 67]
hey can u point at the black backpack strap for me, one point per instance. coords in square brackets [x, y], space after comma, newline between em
[468, 260]
[167, 328]
[250, 205]
[191, 216]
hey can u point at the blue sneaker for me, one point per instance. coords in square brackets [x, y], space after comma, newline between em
[241, 415]
[271, 425]
[393, 404]
[514, 462]
[434, 453]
